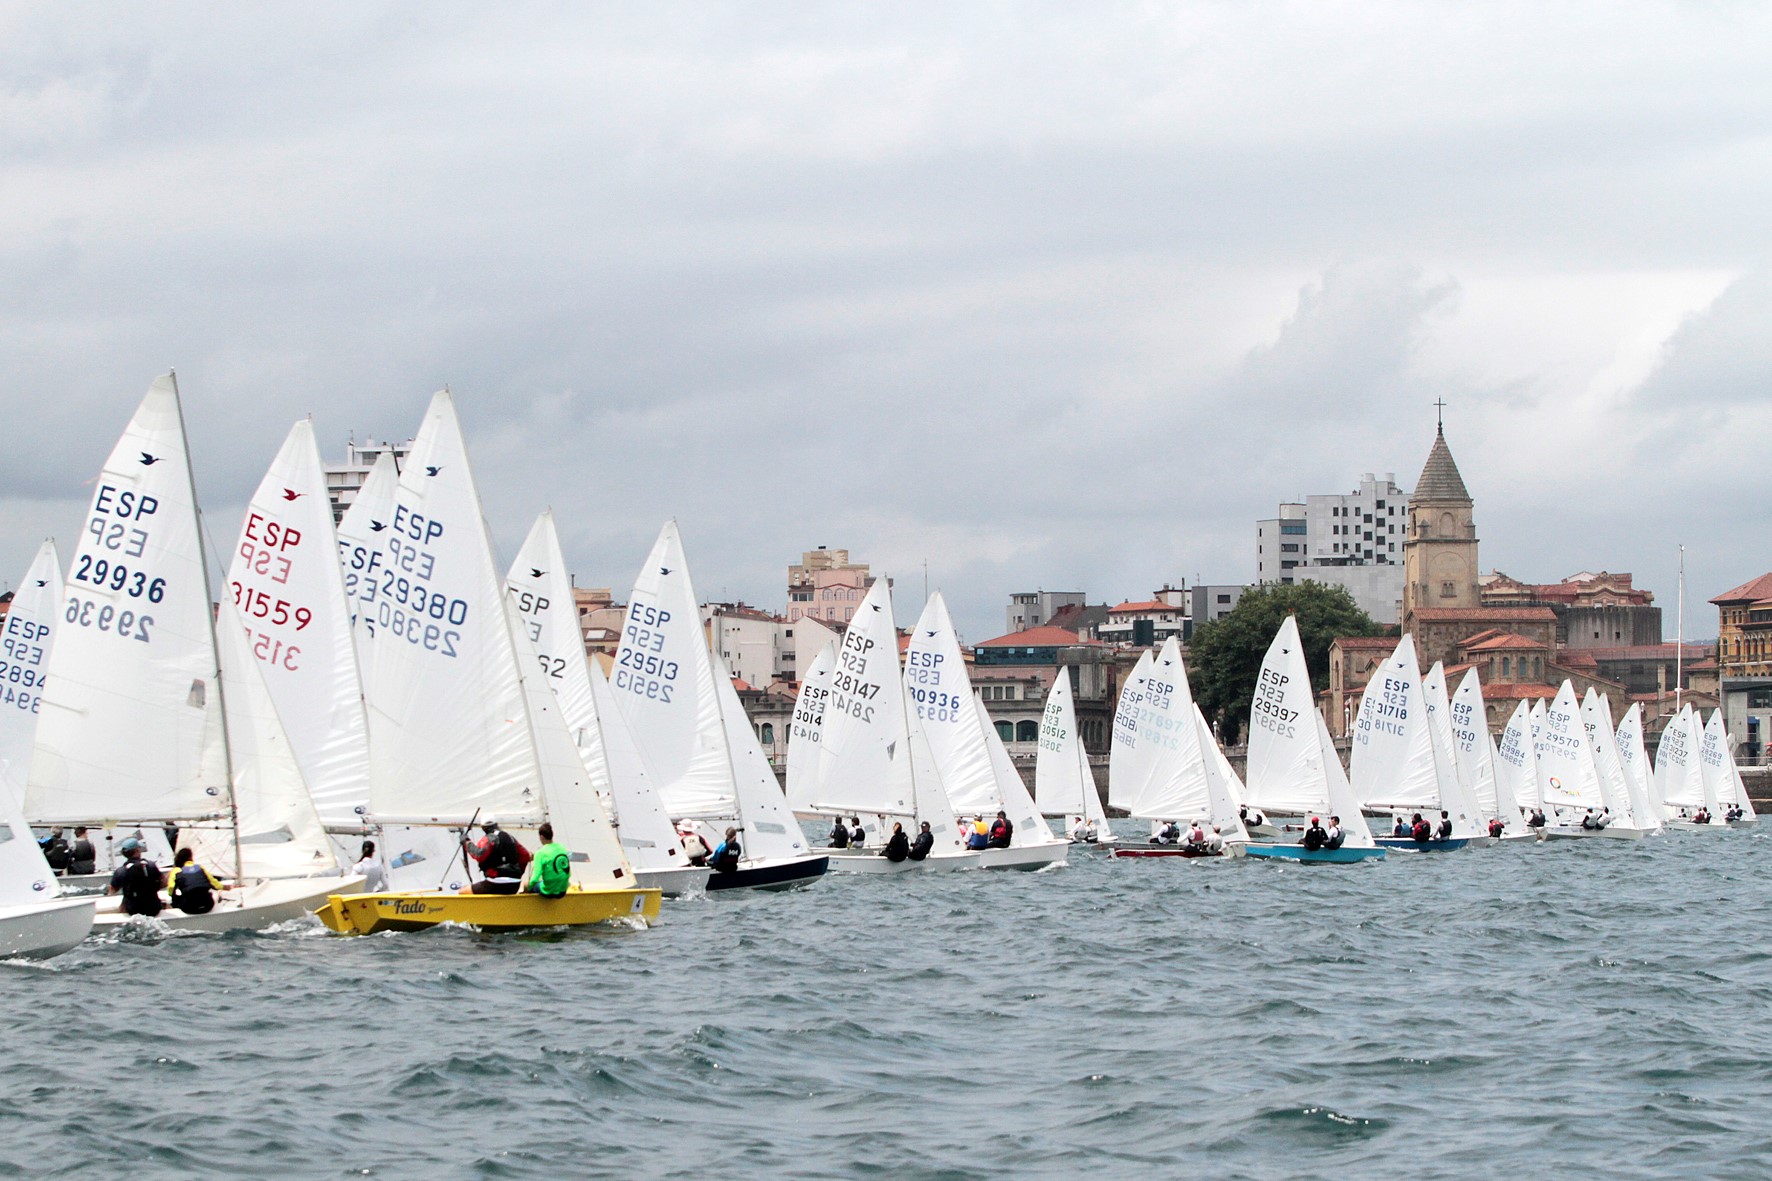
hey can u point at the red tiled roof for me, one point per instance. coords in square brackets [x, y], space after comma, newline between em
[1503, 641]
[1757, 591]
[1576, 658]
[1356, 643]
[1516, 692]
[1665, 651]
[1147, 605]
[1037, 637]
[1486, 614]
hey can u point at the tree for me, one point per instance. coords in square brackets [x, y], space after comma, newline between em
[1225, 654]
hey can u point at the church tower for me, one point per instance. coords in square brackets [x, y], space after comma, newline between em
[1440, 552]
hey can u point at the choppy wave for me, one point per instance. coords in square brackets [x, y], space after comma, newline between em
[1590, 1008]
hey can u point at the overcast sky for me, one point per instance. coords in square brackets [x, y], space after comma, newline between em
[1059, 296]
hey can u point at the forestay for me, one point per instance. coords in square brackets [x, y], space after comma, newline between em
[130, 723]
[448, 719]
[288, 585]
[26, 641]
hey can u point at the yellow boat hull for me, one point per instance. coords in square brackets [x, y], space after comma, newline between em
[365, 914]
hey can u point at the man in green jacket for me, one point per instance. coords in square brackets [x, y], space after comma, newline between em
[551, 871]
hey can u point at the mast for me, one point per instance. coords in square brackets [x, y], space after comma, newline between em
[221, 698]
[1680, 633]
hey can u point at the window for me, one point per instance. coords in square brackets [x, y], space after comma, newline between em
[1504, 668]
[1224, 598]
[1027, 731]
[1292, 527]
[1448, 590]
[767, 734]
[1005, 731]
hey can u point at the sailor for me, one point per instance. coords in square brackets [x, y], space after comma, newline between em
[1196, 837]
[1314, 836]
[898, 846]
[1335, 836]
[1084, 833]
[1418, 829]
[501, 864]
[976, 836]
[1169, 834]
[1536, 820]
[1590, 822]
[551, 871]
[1444, 831]
[1401, 828]
[1215, 841]
[839, 834]
[858, 836]
[694, 847]
[193, 888]
[368, 867]
[1001, 831]
[726, 855]
[1497, 826]
[1604, 818]
[55, 850]
[137, 879]
[923, 844]
[82, 857]
[1251, 817]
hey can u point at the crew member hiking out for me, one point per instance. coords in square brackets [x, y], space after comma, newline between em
[1002, 831]
[925, 841]
[898, 846]
[1315, 837]
[499, 857]
[725, 858]
[551, 871]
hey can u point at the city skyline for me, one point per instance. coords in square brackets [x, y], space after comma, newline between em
[1065, 301]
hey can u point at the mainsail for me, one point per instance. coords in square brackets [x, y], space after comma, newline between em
[26, 641]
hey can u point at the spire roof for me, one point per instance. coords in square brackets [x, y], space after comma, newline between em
[1439, 478]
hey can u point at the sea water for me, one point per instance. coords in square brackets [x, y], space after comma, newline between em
[1585, 1008]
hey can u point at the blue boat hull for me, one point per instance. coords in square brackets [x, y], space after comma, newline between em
[1341, 856]
[776, 875]
[1411, 845]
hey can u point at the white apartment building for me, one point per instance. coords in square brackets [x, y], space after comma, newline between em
[755, 645]
[343, 480]
[1352, 539]
[1033, 608]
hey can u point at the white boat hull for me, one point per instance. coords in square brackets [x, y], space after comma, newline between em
[46, 929]
[1025, 856]
[674, 881]
[872, 861]
[257, 906]
[1564, 832]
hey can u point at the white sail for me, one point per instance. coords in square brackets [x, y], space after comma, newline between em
[1635, 759]
[580, 823]
[361, 534]
[1596, 719]
[1475, 752]
[1516, 762]
[1716, 771]
[1457, 796]
[1567, 776]
[1223, 789]
[647, 835]
[1342, 800]
[541, 590]
[1286, 771]
[448, 720]
[769, 824]
[26, 641]
[1014, 800]
[1063, 783]
[805, 753]
[664, 682]
[1678, 779]
[941, 694]
[276, 825]
[288, 586]
[130, 724]
[1176, 786]
[867, 768]
[1393, 763]
[1128, 764]
[25, 876]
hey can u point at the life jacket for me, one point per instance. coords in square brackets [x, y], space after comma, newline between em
[504, 857]
[1335, 838]
[191, 891]
[1497, 827]
[898, 847]
[839, 836]
[82, 857]
[140, 887]
[1420, 831]
[921, 846]
[56, 852]
[1315, 837]
[725, 858]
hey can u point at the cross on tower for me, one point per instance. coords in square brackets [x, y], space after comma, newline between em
[1440, 414]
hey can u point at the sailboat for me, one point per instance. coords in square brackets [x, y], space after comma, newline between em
[705, 762]
[1679, 777]
[871, 761]
[1628, 810]
[1717, 768]
[1402, 760]
[1184, 782]
[1064, 784]
[1293, 767]
[1474, 751]
[156, 712]
[1639, 773]
[973, 764]
[1129, 762]
[36, 921]
[541, 591]
[461, 725]
[1516, 764]
[1569, 773]
[806, 734]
